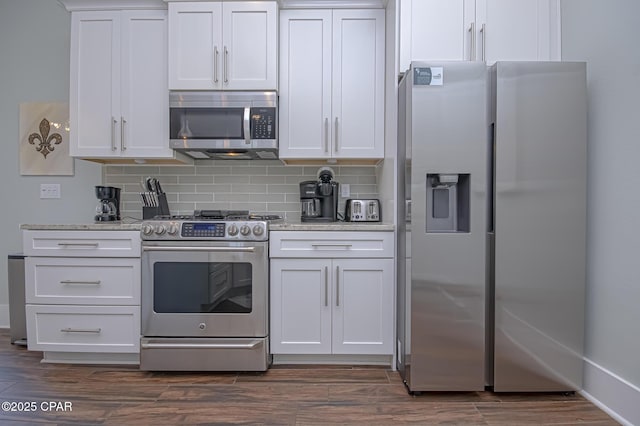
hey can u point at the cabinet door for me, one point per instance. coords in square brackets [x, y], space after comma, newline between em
[195, 38]
[435, 30]
[363, 306]
[94, 98]
[525, 30]
[357, 120]
[249, 48]
[305, 84]
[145, 104]
[300, 306]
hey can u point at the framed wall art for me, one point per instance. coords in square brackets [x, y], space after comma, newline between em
[44, 139]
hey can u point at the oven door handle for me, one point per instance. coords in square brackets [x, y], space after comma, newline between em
[209, 249]
[151, 345]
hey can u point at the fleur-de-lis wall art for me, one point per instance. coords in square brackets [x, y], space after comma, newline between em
[45, 140]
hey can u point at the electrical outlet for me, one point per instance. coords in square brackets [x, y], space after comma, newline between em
[345, 190]
[49, 190]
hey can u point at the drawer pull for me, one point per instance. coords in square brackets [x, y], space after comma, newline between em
[332, 245]
[81, 330]
[78, 244]
[150, 345]
[97, 282]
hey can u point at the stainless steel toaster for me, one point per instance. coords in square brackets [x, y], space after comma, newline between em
[362, 211]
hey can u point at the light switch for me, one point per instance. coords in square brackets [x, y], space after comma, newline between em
[49, 190]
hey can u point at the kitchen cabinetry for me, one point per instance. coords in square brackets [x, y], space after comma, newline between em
[82, 293]
[223, 45]
[332, 84]
[118, 90]
[479, 30]
[332, 293]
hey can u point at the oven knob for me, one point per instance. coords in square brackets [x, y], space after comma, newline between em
[232, 230]
[173, 229]
[160, 229]
[147, 229]
[258, 230]
[245, 230]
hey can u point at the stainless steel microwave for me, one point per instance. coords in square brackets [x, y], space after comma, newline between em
[224, 125]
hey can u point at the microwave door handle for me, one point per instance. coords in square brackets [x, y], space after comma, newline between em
[247, 126]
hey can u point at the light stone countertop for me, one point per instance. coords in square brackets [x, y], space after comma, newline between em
[331, 226]
[98, 226]
[285, 226]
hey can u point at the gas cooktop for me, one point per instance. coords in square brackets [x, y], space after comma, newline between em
[231, 225]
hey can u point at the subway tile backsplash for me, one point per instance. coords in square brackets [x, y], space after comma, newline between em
[265, 186]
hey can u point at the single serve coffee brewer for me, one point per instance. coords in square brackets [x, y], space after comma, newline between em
[319, 198]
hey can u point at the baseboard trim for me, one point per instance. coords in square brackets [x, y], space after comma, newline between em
[4, 316]
[611, 393]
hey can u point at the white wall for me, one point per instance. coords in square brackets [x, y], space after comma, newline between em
[605, 34]
[34, 47]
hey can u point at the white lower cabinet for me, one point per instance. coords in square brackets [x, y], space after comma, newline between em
[338, 305]
[82, 294]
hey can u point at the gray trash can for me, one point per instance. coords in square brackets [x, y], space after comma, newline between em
[17, 317]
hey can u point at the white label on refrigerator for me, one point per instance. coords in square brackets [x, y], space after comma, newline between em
[428, 76]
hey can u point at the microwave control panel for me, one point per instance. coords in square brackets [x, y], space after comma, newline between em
[263, 123]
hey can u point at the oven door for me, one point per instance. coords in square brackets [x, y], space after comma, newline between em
[204, 289]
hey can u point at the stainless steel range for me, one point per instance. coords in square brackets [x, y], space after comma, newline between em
[205, 287]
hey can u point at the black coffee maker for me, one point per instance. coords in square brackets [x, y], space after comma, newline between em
[108, 209]
[319, 199]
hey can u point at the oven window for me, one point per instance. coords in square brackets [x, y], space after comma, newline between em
[202, 287]
[206, 123]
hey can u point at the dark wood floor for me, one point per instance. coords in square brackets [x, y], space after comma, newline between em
[123, 395]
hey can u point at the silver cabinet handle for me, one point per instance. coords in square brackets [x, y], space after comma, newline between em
[113, 134]
[81, 330]
[150, 345]
[210, 249]
[247, 126]
[326, 286]
[122, 123]
[332, 245]
[326, 135]
[483, 31]
[337, 286]
[215, 64]
[78, 244]
[335, 140]
[226, 65]
[472, 48]
[97, 282]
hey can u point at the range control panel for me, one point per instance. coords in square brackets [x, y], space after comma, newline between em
[203, 229]
[235, 230]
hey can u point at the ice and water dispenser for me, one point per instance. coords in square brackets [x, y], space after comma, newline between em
[447, 202]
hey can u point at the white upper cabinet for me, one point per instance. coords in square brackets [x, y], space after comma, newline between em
[118, 89]
[331, 84]
[223, 46]
[479, 30]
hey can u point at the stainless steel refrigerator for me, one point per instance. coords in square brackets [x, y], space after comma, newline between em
[491, 241]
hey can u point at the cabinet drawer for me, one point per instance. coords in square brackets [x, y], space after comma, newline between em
[65, 328]
[81, 243]
[330, 244]
[82, 281]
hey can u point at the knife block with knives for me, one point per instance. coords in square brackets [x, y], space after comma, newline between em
[154, 199]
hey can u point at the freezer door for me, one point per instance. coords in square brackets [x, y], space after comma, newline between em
[448, 180]
[540, 220]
